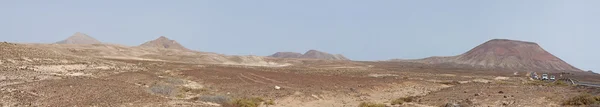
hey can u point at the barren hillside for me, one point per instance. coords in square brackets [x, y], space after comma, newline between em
[79, 38]
[164, 42]
[286, 55]
[116, 75]
[311, 54]
[507, 54]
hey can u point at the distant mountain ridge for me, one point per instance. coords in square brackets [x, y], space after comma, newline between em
[165, 43]
[506, 54]
[79, 38]
[311, 54]
[286, 55]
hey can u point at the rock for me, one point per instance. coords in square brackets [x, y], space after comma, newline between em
[481, 81]
[463, 82]
[501, 78]
[277, 87]
[477, 94]
[316, 97]
[507, 103]
[382, 75]
[501, 92]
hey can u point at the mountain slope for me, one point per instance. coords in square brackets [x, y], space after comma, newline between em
[507, 54]
[286, 55]
[314, 54]
[165, 43]
[79, 38]
[311, 54]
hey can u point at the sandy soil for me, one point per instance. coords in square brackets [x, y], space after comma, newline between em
[110, 75]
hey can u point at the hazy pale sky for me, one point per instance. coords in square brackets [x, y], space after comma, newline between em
[359, 29]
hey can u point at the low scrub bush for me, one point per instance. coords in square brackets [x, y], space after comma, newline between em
[584, 99]
[401, 101]
[164, 89]
[247, 102]
[542, 83]
[270, 102]
[174, 81]
[215, 99]
[370, 104]
[397, 102]
[560, 83]
[191, 90]
[536, 82]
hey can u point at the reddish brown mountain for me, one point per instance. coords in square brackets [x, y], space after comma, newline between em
[508, 54]
[311, 54]
[165, 43]
[79, 38]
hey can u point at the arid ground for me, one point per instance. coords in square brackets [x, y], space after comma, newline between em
[113, 75]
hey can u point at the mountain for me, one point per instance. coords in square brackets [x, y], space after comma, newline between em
[314, 54]
[507, 54]
[165, 43]
[79, 38]
[311, 54]
[286, 55]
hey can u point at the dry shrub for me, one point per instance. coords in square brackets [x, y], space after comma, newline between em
[583, 99]
[215, 99]
[370, 104]
[247, 102]
[270, 102]
[397, 102]
[175, 81]
[191, 90]
[560, 83]
[536, 82]
[409, 99]
[164, 89]
[542, 83]
[401, 101]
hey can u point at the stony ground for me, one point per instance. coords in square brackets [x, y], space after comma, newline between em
[110, 75]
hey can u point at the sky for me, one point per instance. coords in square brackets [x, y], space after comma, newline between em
[358, 29]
